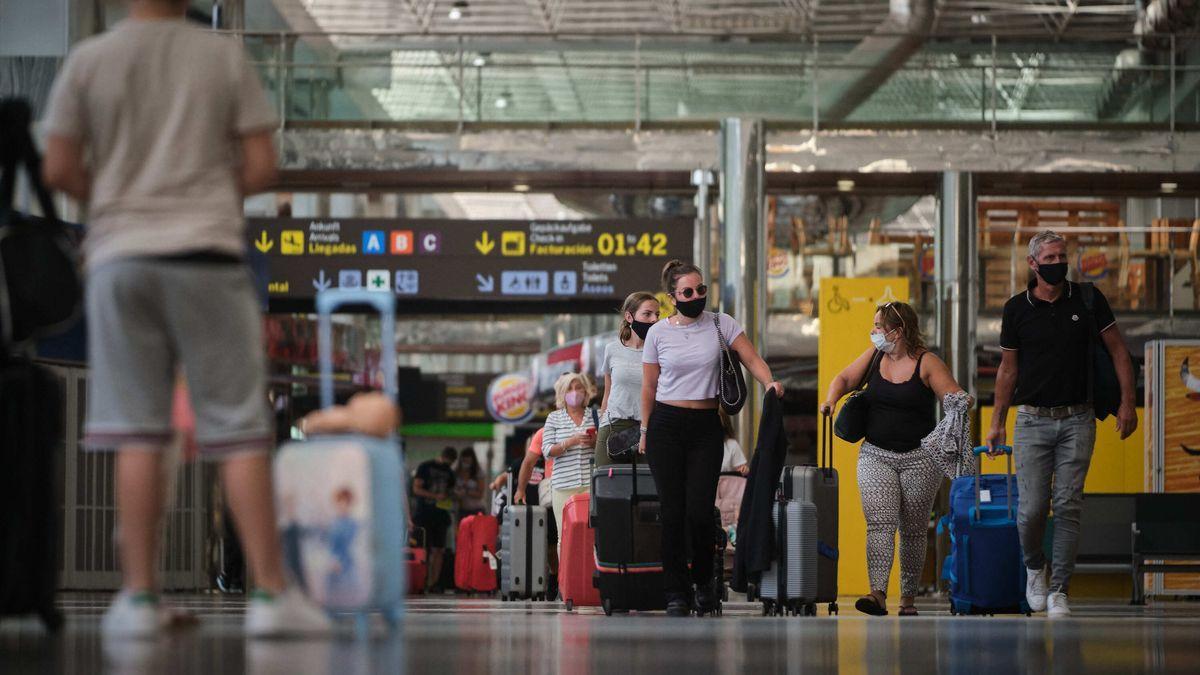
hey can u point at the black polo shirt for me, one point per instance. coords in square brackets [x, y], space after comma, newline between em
[1051, 341]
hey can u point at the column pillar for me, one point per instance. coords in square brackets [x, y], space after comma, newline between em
[958, 277]
[743, 254]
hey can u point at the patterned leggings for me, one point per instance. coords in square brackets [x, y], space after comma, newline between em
[897, 490]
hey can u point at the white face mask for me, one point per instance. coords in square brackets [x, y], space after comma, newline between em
[882, 343]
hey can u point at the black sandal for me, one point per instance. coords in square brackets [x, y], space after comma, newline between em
[869, 605]
[908, 610]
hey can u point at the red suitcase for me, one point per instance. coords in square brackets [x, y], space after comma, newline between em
[475, 559]
[416, 562]
[577, 559]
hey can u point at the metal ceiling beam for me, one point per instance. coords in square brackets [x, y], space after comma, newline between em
[873, 61]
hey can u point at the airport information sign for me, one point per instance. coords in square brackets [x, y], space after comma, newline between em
[468, 260]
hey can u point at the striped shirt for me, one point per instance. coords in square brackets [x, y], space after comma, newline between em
[573, 468]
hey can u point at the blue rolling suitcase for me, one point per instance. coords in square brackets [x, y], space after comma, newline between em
[985, 567]
[340, 498]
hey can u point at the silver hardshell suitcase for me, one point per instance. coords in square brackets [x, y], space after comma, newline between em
[789, 586]
[523, 552]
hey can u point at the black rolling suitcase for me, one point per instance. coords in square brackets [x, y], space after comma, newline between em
[627, 518]
[30, 427]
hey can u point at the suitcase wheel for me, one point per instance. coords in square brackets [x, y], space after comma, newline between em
[607, 606]
[767, 608]
[833, 609]
[571, 605]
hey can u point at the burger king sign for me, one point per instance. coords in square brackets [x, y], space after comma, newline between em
[510, 398]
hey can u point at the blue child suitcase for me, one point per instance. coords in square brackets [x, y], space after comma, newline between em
[340, 498]
[985, 566]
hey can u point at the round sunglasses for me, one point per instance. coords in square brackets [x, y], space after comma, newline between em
[687, 293]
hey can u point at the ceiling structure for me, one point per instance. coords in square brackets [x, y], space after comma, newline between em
[1025, 18]
[669, 61]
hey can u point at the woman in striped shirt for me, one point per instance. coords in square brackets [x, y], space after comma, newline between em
[569, 436]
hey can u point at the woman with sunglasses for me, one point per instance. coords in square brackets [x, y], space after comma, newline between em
[682, 437]
[896, 480]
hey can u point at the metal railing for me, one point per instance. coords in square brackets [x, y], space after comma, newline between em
[672, 80]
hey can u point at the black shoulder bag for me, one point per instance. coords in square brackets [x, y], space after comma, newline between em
[1104, 389]
[40, 290]
[851, 422]
[732, 382]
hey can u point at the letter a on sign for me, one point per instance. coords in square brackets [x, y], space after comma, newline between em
[373, 242]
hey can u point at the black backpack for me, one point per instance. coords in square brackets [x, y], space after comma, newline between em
[40, 289]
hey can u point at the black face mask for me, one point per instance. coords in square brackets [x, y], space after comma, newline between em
[691, 308]
[640, 328]
[1053, 274]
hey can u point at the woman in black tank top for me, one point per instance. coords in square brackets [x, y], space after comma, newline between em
[896, 479]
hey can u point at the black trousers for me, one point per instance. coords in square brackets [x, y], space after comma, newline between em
[684, 448]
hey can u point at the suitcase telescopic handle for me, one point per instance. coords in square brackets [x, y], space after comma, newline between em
[330, 300]
[979, 451]
[825, 457]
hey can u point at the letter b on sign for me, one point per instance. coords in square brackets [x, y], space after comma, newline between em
[402, 242]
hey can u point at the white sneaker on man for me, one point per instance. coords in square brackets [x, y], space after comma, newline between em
[1035, 589]
[288, 614]
[1057, 606]
[134, 615]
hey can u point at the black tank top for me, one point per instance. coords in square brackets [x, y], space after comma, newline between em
[900, 414]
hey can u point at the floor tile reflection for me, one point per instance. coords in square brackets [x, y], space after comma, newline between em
[466, 636]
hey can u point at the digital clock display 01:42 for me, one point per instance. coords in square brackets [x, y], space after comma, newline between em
[652, 244]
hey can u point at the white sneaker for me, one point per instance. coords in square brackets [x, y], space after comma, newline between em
[288, 614]
[133, 615]
[1035, 589]
[1057, 606]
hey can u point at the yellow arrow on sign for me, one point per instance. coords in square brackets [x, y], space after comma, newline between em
[263, 244]
[485, 244]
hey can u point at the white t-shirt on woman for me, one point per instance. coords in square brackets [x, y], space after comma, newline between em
[688, 356]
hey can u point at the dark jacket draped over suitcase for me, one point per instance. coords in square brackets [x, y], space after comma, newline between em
[756, 532]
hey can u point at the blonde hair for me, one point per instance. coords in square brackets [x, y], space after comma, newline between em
[564, 383]
[631, 306]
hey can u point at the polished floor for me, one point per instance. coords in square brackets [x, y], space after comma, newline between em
[456, 635]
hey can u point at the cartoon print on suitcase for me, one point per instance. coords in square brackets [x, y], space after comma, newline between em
[985, 566]
[325, 498]
[340, 498]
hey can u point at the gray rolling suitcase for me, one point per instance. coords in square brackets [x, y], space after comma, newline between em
[819, 485]
[523, 552]
[790, 585]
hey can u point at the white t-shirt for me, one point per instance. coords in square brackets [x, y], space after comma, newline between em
[160, 107]
[624, 365]
[734, 457]
[688, 356]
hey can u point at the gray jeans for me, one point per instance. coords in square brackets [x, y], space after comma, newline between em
[1052, 458]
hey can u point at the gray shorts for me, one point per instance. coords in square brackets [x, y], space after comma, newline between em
[146, 318]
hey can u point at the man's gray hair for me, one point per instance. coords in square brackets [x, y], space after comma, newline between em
[1041, 239]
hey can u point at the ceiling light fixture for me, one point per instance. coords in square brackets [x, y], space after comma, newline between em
[979, 19]
[845, 185]
[458, 10]
[521, 187]
[480, 59]
[503, 100]
[1169, 187]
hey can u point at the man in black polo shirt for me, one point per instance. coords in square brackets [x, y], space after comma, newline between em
[1045, 336]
